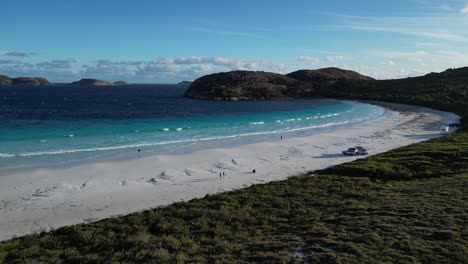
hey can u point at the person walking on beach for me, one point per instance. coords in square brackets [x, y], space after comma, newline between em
[220, 175]
[281, 137]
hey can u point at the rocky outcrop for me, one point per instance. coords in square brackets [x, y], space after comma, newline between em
[248, 85]
[238, 85]
[5, 80]
[92, 82]
[23, 81]
[187, 83]
[328, 74]
[120, 83]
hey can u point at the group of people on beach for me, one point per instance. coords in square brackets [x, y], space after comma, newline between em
[222, 175]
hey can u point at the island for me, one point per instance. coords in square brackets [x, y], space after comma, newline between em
[254, 85]
[248, 85]
[186, 83]
[23, 81]
[92, 82]
[120, 83]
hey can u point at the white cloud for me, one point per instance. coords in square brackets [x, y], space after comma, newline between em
[417, 56]
[388, 63]
[312, 60]
[448, 27]
[121, 62]
[338, 58]
[464, 10]
[18, 54]
[57, 64]
[9, 61]
[446, 7]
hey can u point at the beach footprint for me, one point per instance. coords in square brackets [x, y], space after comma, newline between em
[226, 165]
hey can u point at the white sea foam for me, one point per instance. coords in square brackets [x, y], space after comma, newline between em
[188, 141]
[182, 141]
[257, 123]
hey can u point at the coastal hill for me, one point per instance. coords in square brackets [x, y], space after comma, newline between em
[450, 87]
[245, 85]
[92, 82]
[446, 90]
[331, 73]
[23, 81]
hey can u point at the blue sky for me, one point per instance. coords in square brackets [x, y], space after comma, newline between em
[151, 41]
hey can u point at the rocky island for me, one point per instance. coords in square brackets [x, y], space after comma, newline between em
[92, 82]
[185, 83]
[249, 85]
[23, 81]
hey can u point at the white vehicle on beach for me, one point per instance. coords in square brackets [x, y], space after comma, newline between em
[356, 151]
[444, 130]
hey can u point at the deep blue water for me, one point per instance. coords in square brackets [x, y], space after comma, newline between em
[60, 124]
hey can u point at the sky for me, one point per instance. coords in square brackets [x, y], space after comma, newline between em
[162, 41]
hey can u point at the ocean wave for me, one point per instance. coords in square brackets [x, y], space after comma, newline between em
[256, 123]
[374, 115]
[183, 141]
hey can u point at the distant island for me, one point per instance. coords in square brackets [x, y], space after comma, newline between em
[95, 82]
[23, 81]
[184, 83]
[249, 85]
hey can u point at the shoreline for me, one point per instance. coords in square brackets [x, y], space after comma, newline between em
[192, 145]
[46, 199]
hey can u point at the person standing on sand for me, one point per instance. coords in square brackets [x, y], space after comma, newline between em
[220, 175]
[281, 137]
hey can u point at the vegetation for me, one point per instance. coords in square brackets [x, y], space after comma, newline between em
[447, 90]
[404, 206]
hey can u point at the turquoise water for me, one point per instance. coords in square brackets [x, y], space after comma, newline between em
[34, 142]
[65, 125]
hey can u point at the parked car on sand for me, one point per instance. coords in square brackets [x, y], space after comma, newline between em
[356, 151]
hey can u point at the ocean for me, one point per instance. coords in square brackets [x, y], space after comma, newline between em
[64, 125]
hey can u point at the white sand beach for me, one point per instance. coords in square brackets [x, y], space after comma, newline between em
[49, 198]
